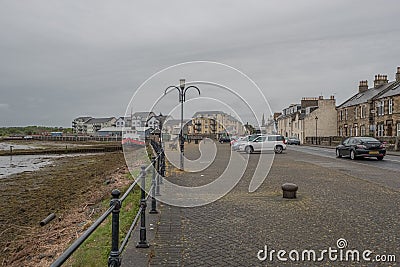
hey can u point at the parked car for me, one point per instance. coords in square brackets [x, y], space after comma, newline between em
[293, 141]
[263, 143]
[361, 147]
[243, 140]
[224, 139]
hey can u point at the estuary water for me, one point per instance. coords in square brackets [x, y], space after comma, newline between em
[17, 164]
[6, 146]
[27, 163]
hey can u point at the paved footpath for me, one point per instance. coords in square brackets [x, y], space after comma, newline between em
[231, 231]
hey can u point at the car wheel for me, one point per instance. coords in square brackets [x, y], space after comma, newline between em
[338, 154]
[380, 158]
[249, 149]
[352, 155]
[278, 149]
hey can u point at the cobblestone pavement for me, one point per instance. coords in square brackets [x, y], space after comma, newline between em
[331, 205]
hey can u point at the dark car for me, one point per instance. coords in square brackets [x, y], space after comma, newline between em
[224, 139]
[361, 147]
[293, 141]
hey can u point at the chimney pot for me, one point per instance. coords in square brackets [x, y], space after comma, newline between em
[380, 79]
[363, 86]
[398, 74]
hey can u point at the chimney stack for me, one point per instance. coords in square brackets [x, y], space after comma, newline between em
[363, 86]
[332, 97]
[321, 97]
[398, 74]
[380, 80]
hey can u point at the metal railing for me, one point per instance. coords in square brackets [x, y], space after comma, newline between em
[77, 138]
[114, 260]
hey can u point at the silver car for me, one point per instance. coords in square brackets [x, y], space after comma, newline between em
[243, 140]
[263, 143]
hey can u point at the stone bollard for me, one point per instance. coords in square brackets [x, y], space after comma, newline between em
[289, 190]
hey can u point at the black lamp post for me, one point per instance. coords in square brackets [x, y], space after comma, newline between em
[316, 130]
[182, 98]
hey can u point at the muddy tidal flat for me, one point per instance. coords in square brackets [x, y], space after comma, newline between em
[69, 187]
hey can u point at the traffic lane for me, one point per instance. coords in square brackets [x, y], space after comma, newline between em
[388, 163]
[361, 169]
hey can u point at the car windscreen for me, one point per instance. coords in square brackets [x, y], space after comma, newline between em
[251, 138]
[368, 140]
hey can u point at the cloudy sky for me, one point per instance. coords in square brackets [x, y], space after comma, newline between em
[62, 59]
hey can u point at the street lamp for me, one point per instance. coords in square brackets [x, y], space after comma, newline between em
[316, 130]
[182, 98]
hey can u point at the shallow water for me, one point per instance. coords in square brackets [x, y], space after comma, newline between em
[27, 163]
[17, 164]
[6, 146]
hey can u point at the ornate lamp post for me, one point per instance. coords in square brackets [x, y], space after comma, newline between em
[182, 98]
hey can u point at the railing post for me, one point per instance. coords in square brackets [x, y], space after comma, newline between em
[157, 178]
[142, 234]
[114, 259]
[153, 188]
[162, 167]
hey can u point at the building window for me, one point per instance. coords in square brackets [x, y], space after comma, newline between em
[380, 130]
[362, 130]
[378, 108]
[355, 130]
[390, 106]
[346, 114]
[362, 112]
[341, 115]
[381, 108]
[351, 131]
[355, 113]
[398, 129]
[340, 131]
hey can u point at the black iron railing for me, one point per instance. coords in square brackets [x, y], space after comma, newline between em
[158, 169]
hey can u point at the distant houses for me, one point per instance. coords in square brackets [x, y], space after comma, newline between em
[313, 117]
[112, 126]
[89, 125]
[214, 122]
[140, 119]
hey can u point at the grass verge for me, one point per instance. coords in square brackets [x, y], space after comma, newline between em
[96, 249]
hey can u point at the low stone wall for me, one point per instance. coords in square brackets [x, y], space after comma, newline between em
[324, 141]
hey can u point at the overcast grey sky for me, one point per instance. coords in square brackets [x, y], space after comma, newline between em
[62, 59]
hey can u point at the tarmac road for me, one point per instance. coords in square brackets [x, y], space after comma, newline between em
[385, 172]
